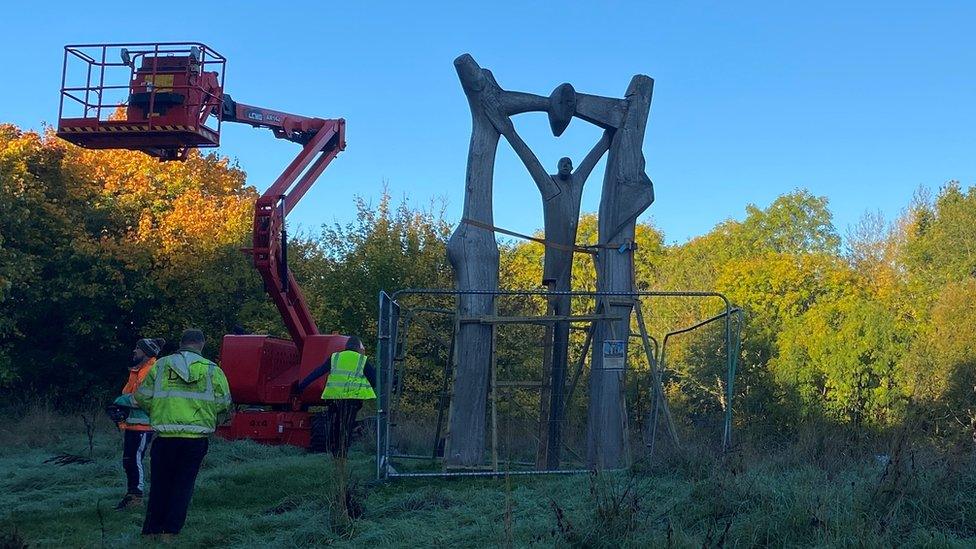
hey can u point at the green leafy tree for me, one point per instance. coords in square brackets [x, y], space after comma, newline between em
[102, 247]
[842, 356]
[387, 248]
[940, 367]
[776, 287]
[74, 286]
[797, 223]
[774, 264]
[941, 241]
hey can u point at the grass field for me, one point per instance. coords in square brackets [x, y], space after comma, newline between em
[814, 492]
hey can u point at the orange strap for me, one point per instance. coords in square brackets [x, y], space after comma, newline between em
[586, 249]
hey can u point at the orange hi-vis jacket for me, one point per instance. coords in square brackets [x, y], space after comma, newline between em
[132, 385]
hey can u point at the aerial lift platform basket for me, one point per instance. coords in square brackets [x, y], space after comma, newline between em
[168, 103]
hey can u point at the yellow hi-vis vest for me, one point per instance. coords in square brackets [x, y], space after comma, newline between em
[184, 404]
[346, 378]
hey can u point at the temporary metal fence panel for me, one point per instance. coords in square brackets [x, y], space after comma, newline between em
[416, 354]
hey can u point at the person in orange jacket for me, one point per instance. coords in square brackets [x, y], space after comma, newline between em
[138, 433]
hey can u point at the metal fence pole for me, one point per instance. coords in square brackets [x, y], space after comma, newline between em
[384, 380]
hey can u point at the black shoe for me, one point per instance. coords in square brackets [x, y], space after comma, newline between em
[129, 501]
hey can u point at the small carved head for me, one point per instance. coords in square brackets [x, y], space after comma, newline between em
[565, 166]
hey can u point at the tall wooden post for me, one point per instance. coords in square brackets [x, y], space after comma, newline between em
[473, 253]
[627, 192]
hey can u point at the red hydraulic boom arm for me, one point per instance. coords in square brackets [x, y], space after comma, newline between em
[322, 140]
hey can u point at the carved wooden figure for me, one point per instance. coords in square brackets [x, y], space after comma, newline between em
[561, 193]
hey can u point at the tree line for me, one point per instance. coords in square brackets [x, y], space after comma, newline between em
[99, 248]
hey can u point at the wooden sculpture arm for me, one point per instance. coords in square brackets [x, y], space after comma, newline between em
[594, 156]
[547, 187]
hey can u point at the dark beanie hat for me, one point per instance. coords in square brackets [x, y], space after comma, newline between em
[151, 347]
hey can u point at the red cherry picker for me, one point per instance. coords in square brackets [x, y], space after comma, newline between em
[165, 99]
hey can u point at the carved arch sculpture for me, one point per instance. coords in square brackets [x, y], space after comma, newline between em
[473, 253]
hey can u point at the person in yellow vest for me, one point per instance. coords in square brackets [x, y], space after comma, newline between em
[137, 433]
[184, 395]
[352, 379]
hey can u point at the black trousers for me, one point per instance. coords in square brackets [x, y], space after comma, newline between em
[134, 447]
[175, 464]
[342, 422]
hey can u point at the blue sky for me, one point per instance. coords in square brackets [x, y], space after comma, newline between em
[862, 102]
